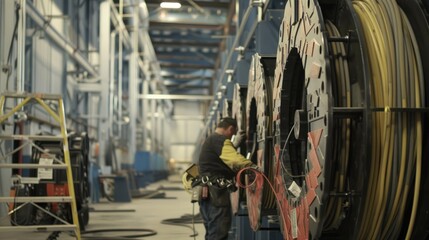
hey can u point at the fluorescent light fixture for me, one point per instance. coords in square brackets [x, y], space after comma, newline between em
[173, 5]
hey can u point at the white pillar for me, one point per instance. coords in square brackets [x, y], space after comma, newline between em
[133, 86]
[104, 47]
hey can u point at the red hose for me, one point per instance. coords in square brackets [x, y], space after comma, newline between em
[256, 186]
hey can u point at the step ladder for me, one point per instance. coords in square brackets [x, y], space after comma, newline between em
[43, 102]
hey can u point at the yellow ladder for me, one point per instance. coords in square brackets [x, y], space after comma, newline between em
[42, 100]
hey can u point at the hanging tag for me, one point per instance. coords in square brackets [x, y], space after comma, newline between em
[295, 189]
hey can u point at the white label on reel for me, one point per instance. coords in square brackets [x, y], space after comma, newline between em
[294, 223]
[295, 189]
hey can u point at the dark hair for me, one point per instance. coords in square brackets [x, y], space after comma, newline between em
[226, 122]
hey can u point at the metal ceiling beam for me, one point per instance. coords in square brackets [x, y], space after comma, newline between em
[177, 97]
[183, 77]
[186, 85]
[181, 86]
[176, 43]
[188, 117]
[203, 4]
[177, 25]
[184, 65]
[88, 87]
[168, 57]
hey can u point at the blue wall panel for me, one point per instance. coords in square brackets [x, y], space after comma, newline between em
[142, 161]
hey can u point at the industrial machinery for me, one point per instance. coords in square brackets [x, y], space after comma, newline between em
[54, 183]
[49, 170]
[335, 118]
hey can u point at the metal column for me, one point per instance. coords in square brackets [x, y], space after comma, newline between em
[21, 47]
[104, 77]
[133, 85]
[6, 30]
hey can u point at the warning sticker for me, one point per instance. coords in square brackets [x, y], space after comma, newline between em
[45, 173]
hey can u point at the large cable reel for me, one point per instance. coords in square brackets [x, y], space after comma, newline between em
[260, 198]
[324, 83]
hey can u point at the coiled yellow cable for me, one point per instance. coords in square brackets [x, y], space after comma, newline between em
[187, 182]
[397, 138]
[377, 42]
[418, 83]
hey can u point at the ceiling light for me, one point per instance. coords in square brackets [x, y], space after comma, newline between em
[170, 5]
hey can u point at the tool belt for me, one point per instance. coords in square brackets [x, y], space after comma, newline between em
[219, 182]
[215, 189]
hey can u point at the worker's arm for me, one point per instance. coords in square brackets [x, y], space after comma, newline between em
[232, 158]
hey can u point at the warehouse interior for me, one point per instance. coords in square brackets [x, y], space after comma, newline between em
[106, 103]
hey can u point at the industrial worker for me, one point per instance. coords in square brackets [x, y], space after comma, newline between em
[218, 163]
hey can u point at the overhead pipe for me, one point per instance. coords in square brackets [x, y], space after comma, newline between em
[58, 39]
[118, 103]
[119, 25]
[146, 64]
[126, 39]
[144, 40]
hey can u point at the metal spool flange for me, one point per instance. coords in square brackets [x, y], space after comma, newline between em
[301, 82]
[239, 105]
[226, 109]
[239, 114]
[260, 199]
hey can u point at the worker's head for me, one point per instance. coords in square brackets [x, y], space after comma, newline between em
[227, 127]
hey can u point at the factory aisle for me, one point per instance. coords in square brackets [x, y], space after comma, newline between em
[170, 201]
[149, 213]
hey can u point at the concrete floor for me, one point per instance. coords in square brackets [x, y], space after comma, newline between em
[140, 213]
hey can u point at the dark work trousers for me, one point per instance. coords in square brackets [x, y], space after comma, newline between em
[217, 220]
